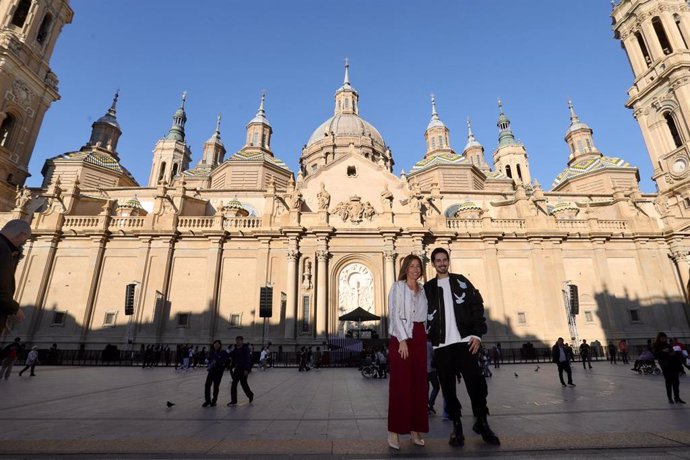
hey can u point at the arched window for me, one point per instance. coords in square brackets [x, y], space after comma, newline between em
[21, 13]
[643, 48]
[661, 35]
[351, 171]
[347, 103]
[440, 141]
[519, 172]
[44, 29]
[509, 173]
[433, 143]
[675, 134]
[579, 146]
[6, 129]
[161, 173]
[589, 144]
[340, 106]
[174, 170]
[572, 148]
[255, 138]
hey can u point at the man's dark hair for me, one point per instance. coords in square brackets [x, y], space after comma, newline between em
[439, 251]
[239, 337]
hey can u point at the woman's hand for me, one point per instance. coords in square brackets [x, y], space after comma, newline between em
[402, 350]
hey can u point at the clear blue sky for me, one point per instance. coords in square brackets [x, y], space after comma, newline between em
[533, 54]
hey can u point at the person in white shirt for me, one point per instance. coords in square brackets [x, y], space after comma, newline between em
[455, 325]
[407, 312]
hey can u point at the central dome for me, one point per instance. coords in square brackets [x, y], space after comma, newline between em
[346, 125]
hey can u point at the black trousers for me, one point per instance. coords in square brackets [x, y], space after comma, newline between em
[565, 366]
[672, 382]
[432, 377]
[455, 358]
[238, 376]
[213, 377]
[586, 359]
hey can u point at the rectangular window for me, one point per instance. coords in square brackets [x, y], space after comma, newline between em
[183, 319]
[635, 315]
[588, 317]
[235, 320]
[305, 313]
[59, 318]
[109, 319]
[522, 317]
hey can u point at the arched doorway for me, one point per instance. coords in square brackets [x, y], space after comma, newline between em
[355, 289]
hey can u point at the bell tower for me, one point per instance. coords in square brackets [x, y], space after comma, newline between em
[655, 35]
[29, 30]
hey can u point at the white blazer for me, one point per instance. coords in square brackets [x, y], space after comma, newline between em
[400, 321]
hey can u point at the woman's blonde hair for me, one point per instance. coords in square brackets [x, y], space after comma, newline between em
[406, 264]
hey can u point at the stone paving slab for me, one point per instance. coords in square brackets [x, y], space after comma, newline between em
[109, 412]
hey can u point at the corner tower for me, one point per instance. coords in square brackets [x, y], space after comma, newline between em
[28, 30]
[655, 35]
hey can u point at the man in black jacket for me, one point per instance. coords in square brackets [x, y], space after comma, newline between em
[12, 236]
[455, 326]
[241, 365]
[561, 356]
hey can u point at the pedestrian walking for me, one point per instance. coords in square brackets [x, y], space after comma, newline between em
[623, 349]
[585, 354]
[671, 361]
[8, 356]
[218, 360]
[559, 355]
[241, 366]
[408, 390]
[456, 323]
[496, 354]
[612, 353]
[31, 361]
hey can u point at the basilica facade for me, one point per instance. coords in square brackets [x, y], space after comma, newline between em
[202, 236]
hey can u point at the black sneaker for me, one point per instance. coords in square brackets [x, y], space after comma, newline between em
[213, 404]
[679, 401]
[206, 404]
[457, 438]
[232, 403]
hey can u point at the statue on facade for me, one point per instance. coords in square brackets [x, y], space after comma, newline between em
[386, 198]
[324, 198]
[306, 276]
[22, 198]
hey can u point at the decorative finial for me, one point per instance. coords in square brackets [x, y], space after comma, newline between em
[500, 106]
[263, 98]
[115, 98]
[433, 105]
[573, 116]
[218, 124]
[346, 81]
[469, 127]
[184, 98]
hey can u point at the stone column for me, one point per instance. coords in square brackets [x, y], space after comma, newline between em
[291, 307]
[492, 272]
[672, 31]
[389, 279]
[164, 307]
[601, 270]
[52, 244]
[213, 264]
[635, 54]
[652, 41]
[322, 293]
[679, 255]
[95, 267]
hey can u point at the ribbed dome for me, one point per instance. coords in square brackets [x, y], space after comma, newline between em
[346, 125]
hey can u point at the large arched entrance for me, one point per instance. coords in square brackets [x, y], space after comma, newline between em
[355, 290]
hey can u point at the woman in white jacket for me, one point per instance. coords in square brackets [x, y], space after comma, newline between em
[407, 310]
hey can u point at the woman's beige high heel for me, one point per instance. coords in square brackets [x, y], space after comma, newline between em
[393, 440]
[417, 438]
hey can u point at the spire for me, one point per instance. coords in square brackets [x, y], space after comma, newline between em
[112, 110]
[573, 115]
[505, 134]
[260, 116]
[215, 138]
[471, 140]
[346, 80]
[435, 119]
[575, 122]
[176, 132]
[214, 150]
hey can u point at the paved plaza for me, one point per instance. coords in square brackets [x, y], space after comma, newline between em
[120, 412]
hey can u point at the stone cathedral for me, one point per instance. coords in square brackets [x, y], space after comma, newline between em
[204, 234]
